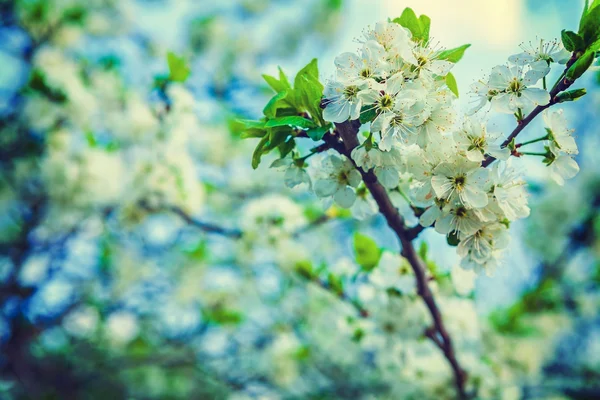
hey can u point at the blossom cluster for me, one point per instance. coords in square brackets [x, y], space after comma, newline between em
[420, 146]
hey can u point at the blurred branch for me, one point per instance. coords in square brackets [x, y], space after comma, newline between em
[205, 226]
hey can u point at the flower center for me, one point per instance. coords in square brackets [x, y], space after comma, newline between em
[422, 60]
[366, 72]
[515, 86]
[397, 120]
[491, 94]
[459, 182]
[477, 142]
[461, 212]
[386, 102]
[351, 92]
[342, 177]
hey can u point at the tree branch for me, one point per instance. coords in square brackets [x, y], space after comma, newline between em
[560, 86]
[205, 226]
[348, 134]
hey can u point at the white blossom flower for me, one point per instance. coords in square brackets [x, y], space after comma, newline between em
[508, 194]
[479, 250]
[372, 64]
[428, 62]
[365, 206]
[295, 174]
[548, 51]
[513, 87]
[461, 180]
[459, 220]
[367, 158]
[395, 39]
[393, 271]
[476, 142]
[340, 177]
[563, 167]
[342, 101]
[509, 88]
[272, 216]
[562, 147]
[561, 137]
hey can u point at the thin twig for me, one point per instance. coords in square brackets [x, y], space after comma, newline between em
[561, 85]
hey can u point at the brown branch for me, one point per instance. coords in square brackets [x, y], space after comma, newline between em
[562, 85]
[345, 143]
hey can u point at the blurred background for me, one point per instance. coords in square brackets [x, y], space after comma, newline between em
[141, 257]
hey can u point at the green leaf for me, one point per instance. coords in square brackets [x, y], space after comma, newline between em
[317, 134]
[274, 83]
[336, 284]
[283, 79]
[409, 20]
[590, 26]
[304, 268]
[251, 128]
[258, 152]
[367, 251]
[295, 121]
[581, 65]
[583, 14]
[275, 103]
[308, 91]
[572, 41]
[425, 27]
[423, 249]
[179, 70]
[453, 239]
[286, 147]
[454, 55]
[367, 114]
[91, 139]
[277, 136]
[224, 316]
[451, 83]
[278, 85]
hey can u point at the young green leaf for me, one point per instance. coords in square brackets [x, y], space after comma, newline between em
[274, 83]
[295, 121]
[409, 20]
[277, 136]
[590, 26]
[454, 55]
[275, 103]
[317, 134]
[286, 147]
[258, 152]
[179, 70]
[367, 251]
[425, 27]
[572, 41]
[308, 91]
[451, 83]
[367, 114]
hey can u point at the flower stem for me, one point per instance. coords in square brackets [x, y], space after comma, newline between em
[529, 153]
[533, 141]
